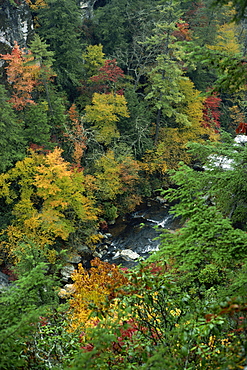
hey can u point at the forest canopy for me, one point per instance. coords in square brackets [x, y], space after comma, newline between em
[108, 104]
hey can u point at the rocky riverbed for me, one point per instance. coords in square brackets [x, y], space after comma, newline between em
[135, 236]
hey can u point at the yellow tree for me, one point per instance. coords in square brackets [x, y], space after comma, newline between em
[228, 34]
[91, 289]
[226, 39]
[193, 107]
[49, 201]
[104, 113]
[170, 149]
[93, 59]
[37, 4]
[116, 179]
[107, 175]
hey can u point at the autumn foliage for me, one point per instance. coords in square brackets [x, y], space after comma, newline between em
[104, 112]
[22, 76]
[93, 288]
[36, 5]
[50, 201]
[211, 112]
[109, 73]
[242, 128]
[183, 31]
[76, 135]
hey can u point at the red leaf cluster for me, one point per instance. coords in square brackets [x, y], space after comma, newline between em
[126, 333]
[242, 128]
[211, 112]
[110, 72]
[183, 32]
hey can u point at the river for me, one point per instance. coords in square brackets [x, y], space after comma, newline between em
[137, 232]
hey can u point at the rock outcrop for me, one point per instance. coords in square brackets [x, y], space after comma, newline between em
[16, 24]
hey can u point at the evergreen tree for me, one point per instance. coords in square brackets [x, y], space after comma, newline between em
[59, 25]
[212, 206]
[165, 74]
[22, 306]
[12, 141]
[135, 130]
[44, 58]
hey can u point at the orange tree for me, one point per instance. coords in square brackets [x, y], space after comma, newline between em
[21, 75]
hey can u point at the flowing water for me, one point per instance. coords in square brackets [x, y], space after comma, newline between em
[139, 232]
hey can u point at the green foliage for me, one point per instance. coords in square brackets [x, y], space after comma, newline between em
[134, 130]
[52, 345]
[34, 328]
[112, 16]
[206, 250]
[12, 141]
[110, 211]
[21, 305]
[42, 55]
[164, 76]
[99, 357]
[37, 129]
[210, 183]
[185, 308]
[59, 23]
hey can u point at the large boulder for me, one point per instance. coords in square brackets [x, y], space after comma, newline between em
[127, 255]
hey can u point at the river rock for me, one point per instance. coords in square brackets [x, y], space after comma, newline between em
[102, 247]
[4, 281]
[108, 236]
[97, 254]
[73, 258]
[127, 255]
[83, 250]
[66, 291]
[161, 200]
[66, 272]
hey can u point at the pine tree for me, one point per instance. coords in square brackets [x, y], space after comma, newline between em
[37, 128]
[59, 25]
[22, 306]
[12, 140]
[166, 73]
